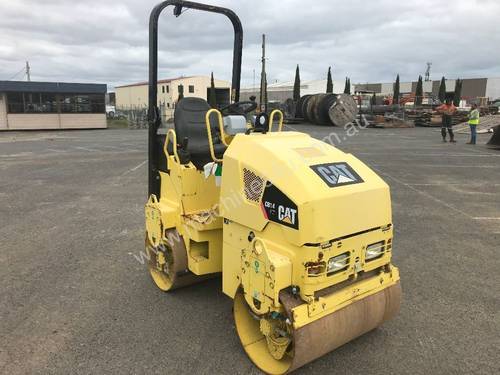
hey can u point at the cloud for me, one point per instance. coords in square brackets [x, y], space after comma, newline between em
[107, 41]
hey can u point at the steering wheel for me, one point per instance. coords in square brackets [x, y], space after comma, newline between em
[239, 108]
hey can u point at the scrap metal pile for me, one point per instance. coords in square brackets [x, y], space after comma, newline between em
[486, 125]
[431, 118]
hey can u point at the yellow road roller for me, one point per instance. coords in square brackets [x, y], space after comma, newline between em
[300, 231]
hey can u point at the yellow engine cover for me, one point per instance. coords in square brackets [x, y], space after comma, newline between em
[332, 193]
[290, 205]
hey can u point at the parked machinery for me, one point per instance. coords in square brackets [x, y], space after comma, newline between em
[494, 141]
[301, 231]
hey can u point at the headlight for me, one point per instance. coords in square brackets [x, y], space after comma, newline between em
[338, 263]
[374, 250]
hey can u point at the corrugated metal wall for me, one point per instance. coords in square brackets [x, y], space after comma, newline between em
[493, 88]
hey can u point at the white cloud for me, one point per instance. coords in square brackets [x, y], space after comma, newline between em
[107, 41]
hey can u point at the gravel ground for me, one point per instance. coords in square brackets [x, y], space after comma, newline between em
[74, 298]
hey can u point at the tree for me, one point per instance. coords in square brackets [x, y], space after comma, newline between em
[442, 90]
[419, 92]
[457, 96]
[347, 88]
[395, 99]
[329, 81]
[296, 85]
[181, 92]
[212, 97]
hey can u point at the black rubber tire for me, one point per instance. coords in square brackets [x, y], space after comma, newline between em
[300, 103]
[322, 109]
[304, 108]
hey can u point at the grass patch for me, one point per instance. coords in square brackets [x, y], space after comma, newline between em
[117, 123]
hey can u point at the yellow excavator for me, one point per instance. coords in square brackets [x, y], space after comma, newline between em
[301, 231]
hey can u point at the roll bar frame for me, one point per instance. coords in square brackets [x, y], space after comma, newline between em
[154, 119]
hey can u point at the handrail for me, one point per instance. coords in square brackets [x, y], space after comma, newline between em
[271, 120]
[209, 132]
[221, 124]
[171, 132]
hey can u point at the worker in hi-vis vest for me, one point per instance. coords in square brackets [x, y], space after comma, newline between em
[473, 123]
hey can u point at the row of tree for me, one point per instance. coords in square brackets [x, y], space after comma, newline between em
[419, 91]
[329, 84]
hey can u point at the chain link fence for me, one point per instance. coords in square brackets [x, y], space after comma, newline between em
[137, 117]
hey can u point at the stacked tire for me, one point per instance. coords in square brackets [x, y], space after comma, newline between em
[327, 109]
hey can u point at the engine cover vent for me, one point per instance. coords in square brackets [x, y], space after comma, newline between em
[253, 185]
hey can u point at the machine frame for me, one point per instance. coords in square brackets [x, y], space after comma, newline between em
[154, 119]
[299, 291]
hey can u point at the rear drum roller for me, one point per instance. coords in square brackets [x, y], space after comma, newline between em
[168, 264]
[277, 348]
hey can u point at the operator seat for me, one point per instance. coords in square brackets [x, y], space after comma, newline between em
[189, 122]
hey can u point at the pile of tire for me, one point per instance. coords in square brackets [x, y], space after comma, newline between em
[327, 109]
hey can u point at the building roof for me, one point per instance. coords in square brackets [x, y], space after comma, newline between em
[53, 87]
[288, 85]
[145, 83]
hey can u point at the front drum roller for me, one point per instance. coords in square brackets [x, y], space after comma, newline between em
[168, 264]
[288, 348]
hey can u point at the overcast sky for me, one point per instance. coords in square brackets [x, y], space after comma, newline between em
[106, 41]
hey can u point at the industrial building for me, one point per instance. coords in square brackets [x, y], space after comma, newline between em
[472, 88]
[279, 92]
[51, 105]
[135, 95]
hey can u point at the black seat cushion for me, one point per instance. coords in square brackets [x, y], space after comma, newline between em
[189, 121]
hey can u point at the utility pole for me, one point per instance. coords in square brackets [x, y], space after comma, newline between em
[28, 74]
[253, 87]
[428, 72]
[263, 78]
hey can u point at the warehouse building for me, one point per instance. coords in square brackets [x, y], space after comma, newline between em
[279, 92]
[135, 95]
[51, 105]
[472, 88]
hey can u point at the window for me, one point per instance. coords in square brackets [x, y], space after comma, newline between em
[34, 102]
[76, 103]
[31, 102]
[168, 105]
[97, 103]
[48, 103]
[163, 89]
[191, 89]
[15, 102]
[168, 89]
